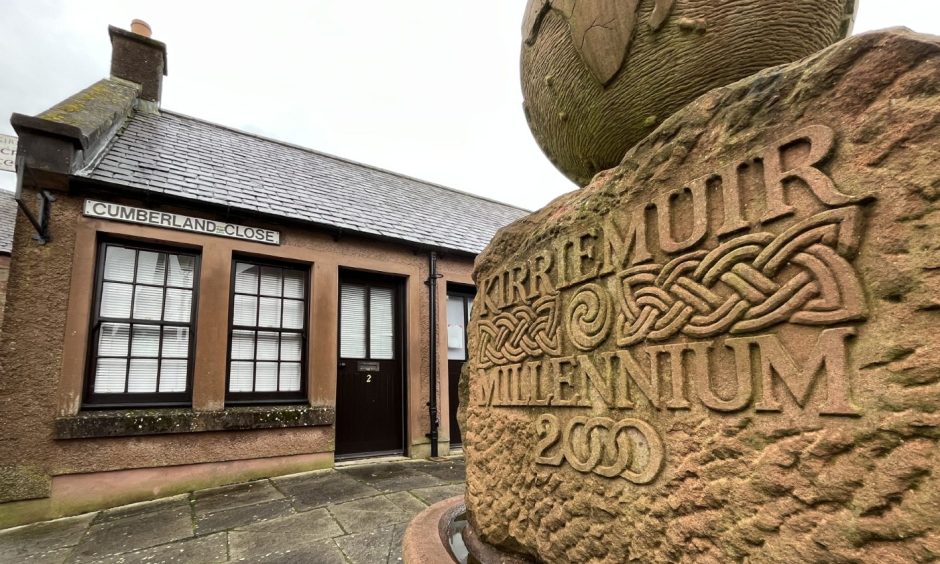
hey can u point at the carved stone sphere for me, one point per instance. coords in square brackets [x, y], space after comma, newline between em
[599, 75]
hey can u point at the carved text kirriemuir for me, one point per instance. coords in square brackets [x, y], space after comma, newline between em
[647, 311]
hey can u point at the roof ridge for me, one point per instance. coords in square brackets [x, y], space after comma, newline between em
[337, 158]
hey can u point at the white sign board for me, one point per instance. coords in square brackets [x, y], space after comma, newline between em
[7, 153]
[129, 214]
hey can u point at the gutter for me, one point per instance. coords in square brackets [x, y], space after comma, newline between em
[108, 189]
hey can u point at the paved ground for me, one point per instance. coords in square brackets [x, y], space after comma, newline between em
[354, 514]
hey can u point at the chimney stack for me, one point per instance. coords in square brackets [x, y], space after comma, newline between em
[138, 58]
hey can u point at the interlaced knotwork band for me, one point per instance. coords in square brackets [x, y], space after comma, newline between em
[747, 284]
[525, 331]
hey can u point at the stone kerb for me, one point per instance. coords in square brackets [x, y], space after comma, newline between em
[725, 348]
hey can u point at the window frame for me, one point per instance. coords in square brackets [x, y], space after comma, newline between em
[93, 400]
[368, 282]
[275, 397]
[467, 294]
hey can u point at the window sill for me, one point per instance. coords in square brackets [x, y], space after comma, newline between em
[136, 422]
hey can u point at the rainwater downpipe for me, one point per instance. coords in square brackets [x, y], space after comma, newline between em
[432, 337]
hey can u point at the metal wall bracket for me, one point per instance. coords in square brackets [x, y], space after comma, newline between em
[45, 199]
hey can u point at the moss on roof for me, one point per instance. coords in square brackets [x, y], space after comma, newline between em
[94, 109]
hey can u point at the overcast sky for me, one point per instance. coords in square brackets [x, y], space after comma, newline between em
[428, 88]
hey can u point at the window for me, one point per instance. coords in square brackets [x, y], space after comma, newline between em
[268, 333]
[142, 326]
[367, 322]
[459, 307]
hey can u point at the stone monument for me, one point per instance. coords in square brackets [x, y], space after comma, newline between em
[599, 75]
[725, 347]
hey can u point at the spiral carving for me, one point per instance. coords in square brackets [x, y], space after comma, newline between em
[589, 317]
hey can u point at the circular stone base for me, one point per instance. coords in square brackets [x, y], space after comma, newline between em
[427, 539]
[486, 553]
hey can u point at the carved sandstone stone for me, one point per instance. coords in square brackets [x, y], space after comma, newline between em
[725, 349]
[599, 75]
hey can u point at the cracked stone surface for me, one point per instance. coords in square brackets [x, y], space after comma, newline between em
[353, 514]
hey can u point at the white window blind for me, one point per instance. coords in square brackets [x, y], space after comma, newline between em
[456, 332]
[367, 316]
[352, 323]
[144, 317]
[381, 324]
[268, 328]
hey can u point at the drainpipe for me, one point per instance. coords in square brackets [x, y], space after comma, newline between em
[432, 336]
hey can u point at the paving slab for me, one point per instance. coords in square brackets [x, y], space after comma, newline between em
[236, 495]
[435, 494]
[58, 556]
[241, 516]
[311, 525]
[368, 514]
[407, 502]
[179, 502]
[317, 489]
[134, 533]
[356, 514]
[43, 542]
[394, 555]
[368, 547]
[210, 548]
[304, 537]
[317, 552]
[391, 477]
[451, 470]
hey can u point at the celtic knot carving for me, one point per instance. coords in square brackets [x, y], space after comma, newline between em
[526, 331]
[748, 283]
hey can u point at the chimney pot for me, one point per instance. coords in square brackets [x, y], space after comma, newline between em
[140, 27]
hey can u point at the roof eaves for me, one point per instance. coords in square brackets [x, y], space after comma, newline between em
[274, 218]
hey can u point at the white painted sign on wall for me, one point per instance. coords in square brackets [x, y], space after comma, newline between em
[7, 153]
[129, 214]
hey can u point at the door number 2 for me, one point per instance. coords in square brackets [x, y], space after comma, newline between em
[368, 378]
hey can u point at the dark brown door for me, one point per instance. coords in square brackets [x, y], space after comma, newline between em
[459, 302]
[369, 389]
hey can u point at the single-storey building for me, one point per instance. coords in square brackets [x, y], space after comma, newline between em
[190, 305]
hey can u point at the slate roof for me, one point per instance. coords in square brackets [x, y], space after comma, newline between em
[186, 157]
[7, 221]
